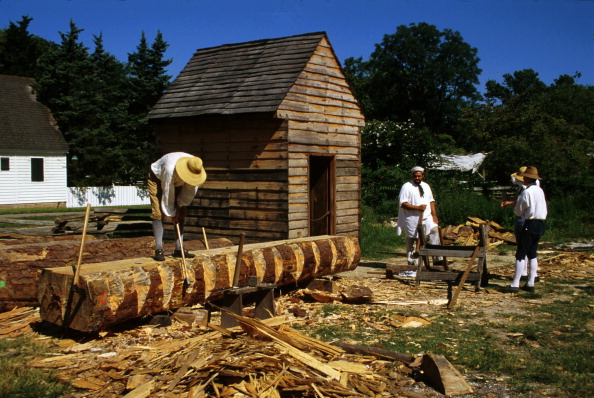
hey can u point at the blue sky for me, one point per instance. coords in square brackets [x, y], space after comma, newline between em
[553, 37]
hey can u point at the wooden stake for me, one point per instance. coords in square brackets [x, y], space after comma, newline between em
[205, 240]
[445, 260]
[237, 271]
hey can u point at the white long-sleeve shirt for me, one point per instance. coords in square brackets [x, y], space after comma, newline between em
[531, 204]
[164, 169]
[409, 219]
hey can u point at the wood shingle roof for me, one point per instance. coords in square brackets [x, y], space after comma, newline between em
[237, 78]
[26, 124]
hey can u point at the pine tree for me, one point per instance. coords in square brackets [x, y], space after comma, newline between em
[148, 81]
[20, 50]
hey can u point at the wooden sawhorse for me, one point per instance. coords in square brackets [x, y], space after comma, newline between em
[426, 272]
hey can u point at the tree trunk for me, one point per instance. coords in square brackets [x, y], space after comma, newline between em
[22, 260]
[113, 292]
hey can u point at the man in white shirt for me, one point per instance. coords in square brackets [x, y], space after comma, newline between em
[173, 183]
[417, 205]
[531, 205]
[518, 180]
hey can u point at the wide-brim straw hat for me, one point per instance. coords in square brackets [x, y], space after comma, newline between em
[531, 172]
[190, 170]
[518, 174]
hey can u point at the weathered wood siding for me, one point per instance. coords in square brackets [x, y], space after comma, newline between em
[324, 119]
[245, 157]
[16, 186]
[256, 113]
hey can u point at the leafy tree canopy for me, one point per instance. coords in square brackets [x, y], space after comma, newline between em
[418, 74]
[528, 123]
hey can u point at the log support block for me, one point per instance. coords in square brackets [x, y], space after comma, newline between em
[234, 300]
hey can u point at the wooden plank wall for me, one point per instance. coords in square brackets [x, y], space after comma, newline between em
[245, 157]
[324, 119]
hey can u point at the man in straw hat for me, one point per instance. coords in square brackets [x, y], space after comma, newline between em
[417, 206]
[173, 183]
[531, 205]
[518, 180]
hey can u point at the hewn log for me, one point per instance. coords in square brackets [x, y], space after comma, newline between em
[21, 261]
[113, 292]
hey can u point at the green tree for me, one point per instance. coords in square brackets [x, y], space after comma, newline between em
[148, 81]
[418, 74]
[528, 123]
[20, 50]
[63, 85]
[523, 85]
[148, 74]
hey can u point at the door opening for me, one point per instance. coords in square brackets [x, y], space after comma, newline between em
[322, 219]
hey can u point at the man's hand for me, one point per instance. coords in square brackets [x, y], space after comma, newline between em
[180, 215]
[408, 206]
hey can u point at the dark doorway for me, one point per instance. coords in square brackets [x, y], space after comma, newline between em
[322, 220]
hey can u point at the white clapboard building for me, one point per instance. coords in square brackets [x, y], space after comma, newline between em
[32, 149]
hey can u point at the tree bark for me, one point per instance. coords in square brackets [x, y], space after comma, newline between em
[113, 292]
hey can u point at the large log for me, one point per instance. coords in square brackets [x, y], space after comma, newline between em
[113, 292]
[21, 260]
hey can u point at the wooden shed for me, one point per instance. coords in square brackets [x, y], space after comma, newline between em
[278, 130]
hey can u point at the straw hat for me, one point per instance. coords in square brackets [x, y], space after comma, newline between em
[190, 170]
[518, 174]
[531, 172]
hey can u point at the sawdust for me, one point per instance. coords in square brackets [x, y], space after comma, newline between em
[179, 360]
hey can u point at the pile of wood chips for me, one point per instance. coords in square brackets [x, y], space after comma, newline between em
[266, 359]
[468, 234]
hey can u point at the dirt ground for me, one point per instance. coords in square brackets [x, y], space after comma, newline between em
[89, 362]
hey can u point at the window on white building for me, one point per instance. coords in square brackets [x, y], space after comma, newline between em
[36, 169]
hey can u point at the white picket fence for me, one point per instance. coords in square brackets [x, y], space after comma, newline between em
[107, 196]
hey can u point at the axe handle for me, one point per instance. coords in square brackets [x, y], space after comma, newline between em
[237, 271]
[181, 246]
[82, 246]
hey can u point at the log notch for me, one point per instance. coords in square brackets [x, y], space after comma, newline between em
[21, 260]
[113, 292]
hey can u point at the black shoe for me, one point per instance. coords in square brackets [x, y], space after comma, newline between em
[509, 289]
[525, 278]
[159, 256]
[178, 254]
[529, 289]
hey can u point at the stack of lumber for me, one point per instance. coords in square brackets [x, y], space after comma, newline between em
[112, 292]
[101, 218]
[468, 234]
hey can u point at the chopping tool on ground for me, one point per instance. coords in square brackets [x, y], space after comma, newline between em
[67, 316]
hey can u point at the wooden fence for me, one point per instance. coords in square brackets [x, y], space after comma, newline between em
[107, 196]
